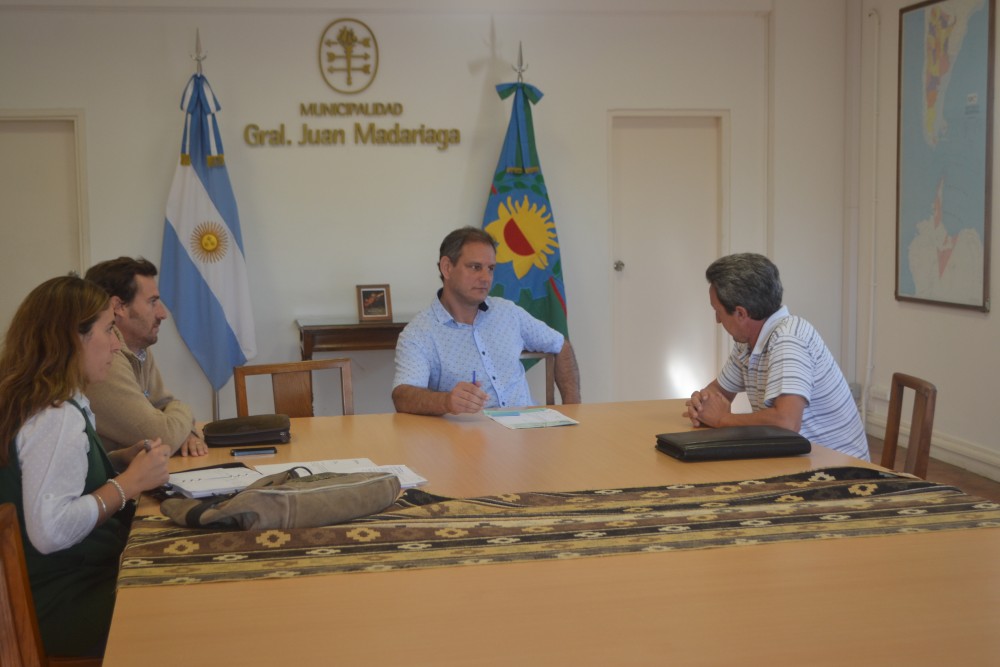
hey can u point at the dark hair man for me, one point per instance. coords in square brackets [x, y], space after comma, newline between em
[779, 359]
[132, 403]
[463, 353]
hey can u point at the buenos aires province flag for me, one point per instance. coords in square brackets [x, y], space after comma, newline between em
[203, 276]
[519, 217]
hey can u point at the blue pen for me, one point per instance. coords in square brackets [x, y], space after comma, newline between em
[473, 377]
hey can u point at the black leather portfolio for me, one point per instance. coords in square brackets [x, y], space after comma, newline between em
[252, 430]
[732, 442]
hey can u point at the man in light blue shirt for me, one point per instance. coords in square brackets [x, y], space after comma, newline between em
[462, 354]
[780, 360]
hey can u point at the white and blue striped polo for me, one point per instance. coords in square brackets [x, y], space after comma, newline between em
[790, 357]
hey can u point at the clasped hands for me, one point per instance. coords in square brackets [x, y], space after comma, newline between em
[466, 397]
[707, 407]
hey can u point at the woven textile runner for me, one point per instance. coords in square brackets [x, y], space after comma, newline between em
[422, 530]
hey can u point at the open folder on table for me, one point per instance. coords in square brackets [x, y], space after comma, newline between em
[529, 417]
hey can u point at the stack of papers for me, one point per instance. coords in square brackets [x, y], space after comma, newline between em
[233, 477]
[215, 481]
[407, 478]
[529, 418]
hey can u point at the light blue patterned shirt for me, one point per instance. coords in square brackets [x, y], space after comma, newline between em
[436, 352]
[790, 357]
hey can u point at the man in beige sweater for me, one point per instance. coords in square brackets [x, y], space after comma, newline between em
[132, 404]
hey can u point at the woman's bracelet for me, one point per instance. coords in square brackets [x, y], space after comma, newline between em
[121, 492]
[104, 507]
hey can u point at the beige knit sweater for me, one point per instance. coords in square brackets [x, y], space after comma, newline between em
[132, 404]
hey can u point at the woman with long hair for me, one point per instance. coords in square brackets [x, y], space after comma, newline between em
[72, 504]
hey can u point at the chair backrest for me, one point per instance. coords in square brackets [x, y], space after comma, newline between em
[921, 423]
[291, 384]
[550, 373]
[20, 640]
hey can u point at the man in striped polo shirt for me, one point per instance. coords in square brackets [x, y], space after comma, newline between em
[779, 360]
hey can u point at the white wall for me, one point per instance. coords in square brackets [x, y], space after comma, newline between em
[956, 349]
[807, 182]
[317, 221]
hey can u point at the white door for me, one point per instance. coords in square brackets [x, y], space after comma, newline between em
[666, 204]
[40, 219]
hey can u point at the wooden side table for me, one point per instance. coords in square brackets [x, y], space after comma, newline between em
[327, 334]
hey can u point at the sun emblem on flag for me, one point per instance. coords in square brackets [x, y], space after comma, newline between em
[209, 242]
[525, 235]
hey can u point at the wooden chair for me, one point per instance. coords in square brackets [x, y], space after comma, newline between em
[550, 373]
[921, 423]
[291, 384]
[20, 641]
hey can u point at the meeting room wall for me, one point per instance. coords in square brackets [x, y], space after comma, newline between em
[953, 348]
[318, 220]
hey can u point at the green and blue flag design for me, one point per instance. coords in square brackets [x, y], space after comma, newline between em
[519, 216]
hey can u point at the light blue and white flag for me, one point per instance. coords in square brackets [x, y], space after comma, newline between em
[203, 275]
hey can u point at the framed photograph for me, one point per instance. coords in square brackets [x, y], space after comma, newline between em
[944, 157]
[374, 303]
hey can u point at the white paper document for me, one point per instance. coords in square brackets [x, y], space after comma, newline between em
[407, 478]
[529, 418]
[213, 481]
[316, 467]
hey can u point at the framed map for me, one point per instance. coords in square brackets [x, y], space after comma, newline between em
[945, 153]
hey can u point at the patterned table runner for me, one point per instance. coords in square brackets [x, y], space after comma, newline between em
[423, 530]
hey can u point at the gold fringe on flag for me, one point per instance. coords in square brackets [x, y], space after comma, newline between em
[522, 170]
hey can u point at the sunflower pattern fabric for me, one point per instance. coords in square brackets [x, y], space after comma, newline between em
[519, 217]
[422, 530]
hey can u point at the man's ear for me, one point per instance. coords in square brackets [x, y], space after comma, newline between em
[741, 313]
[445, 266]
[117, 306]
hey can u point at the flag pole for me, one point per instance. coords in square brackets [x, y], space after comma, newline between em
[198, 57]
[203, 273]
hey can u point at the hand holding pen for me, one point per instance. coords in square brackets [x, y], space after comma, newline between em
[466, 397]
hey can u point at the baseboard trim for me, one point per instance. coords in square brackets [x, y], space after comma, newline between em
[962, 453]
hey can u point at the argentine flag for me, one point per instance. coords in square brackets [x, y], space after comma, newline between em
[203, 275]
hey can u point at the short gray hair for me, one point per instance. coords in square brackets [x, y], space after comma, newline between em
[749, 280]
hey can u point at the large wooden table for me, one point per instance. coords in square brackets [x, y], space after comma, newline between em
[905, 599]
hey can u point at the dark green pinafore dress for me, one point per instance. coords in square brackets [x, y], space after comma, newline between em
[74, 589]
